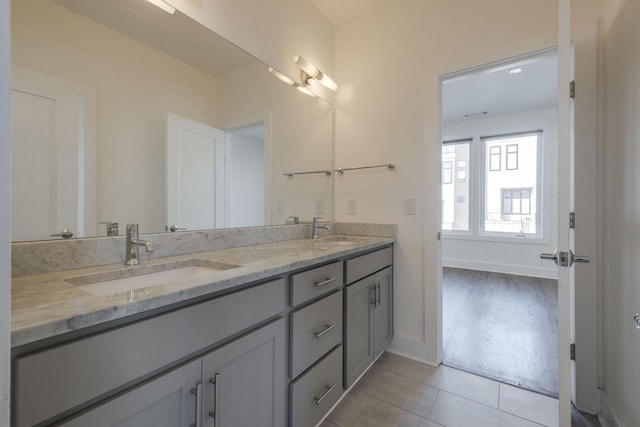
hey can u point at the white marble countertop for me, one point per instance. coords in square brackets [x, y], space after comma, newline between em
[46, 305]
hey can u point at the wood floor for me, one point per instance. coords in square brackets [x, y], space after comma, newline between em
[503, 327]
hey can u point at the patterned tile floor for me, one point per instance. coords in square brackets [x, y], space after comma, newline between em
[399, 392]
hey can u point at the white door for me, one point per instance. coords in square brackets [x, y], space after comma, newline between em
[564, 255]
[195, 174]
[53, 157]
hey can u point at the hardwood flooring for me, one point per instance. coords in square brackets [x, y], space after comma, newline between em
[503, 327]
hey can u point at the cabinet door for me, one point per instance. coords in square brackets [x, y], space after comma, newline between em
[383, 311]
[244, 381]
[358, 344]
[167, 401]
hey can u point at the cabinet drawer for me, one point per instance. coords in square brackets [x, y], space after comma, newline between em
[315, 330]
[313, 394]
[364, 265]
[315, 282]
[92, 366]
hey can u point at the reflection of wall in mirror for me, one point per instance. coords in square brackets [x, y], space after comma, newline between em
[135, 86]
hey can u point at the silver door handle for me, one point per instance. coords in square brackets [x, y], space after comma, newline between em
[565, 259]
[325, 330]
[65, 234]
[197, 391]
[329, 389]
[325, 282]
[216, 398]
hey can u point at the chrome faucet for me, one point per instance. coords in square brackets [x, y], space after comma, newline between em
[316, 226]
[133, 244]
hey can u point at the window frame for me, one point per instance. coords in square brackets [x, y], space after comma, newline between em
[507, 156]
[470, 170]
[491, 156]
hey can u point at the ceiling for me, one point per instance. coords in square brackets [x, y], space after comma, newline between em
[339, 11]
[496, 91]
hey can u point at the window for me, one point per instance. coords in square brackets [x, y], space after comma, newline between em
[491, 185]
[516, 201]
[512, 157]
[455, 195]
[495, 158]
[447, 172]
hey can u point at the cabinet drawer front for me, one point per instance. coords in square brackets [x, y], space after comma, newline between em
[313, 394]
[365, 265]
[315, 330]
[55, 380]
[315, 282]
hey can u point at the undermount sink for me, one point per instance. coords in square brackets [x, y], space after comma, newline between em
[131, 279]
[338, 241]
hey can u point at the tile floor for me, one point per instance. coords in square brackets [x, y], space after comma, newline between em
[401, 392]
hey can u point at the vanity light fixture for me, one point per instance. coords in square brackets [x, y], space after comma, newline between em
[163, 5]
[310, 73]
[290, 82]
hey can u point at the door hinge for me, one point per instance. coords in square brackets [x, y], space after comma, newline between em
[572, 220]
[572, 89]
[572, 351]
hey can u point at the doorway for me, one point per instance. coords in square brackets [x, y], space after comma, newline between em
[499, 133]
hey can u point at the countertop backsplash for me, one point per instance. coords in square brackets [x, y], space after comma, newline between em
[49, 256]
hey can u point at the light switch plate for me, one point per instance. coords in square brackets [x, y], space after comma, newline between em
[319, 207]
[279, 207]
[409, 206]
[352, 207]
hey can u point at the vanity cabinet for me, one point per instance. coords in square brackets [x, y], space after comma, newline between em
[368, 312]
[241, 384]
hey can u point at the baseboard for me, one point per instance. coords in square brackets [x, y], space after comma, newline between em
[410, 348]
[606, 416]
[545, 273]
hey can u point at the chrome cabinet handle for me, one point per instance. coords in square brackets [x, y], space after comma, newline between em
[216, 398]
[65, 234]
[325, 330]
[325, 282]
[197, 391]
[378, 292]
[328, 389]
[373, 295]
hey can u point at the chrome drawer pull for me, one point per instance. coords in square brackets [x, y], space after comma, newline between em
[325, 330]
[216, 398]
[197, 391]
[325, 282]
[329, 389]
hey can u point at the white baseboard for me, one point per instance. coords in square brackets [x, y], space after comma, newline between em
[546, 273]
[410, 348]
[606, 416]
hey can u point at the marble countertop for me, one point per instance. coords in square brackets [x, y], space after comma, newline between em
[46, 305]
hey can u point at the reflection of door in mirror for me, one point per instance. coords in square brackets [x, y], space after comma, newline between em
[53, 157]
[195, 174]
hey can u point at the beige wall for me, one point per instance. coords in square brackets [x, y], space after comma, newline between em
[136, 87]
[271, 30]
[388, 63]
[622, 209]
[5, 212]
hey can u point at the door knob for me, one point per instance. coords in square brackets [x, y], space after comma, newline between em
[565, 259]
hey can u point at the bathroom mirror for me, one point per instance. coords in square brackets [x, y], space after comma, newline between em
[124, 113]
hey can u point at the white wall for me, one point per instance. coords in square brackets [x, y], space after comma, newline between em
[622, 209]
[5, 212]
[136, 87]
[271, 30]
[245, 162]
[388, 63]
[513, 255]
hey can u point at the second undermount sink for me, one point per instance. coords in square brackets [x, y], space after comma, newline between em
[338, 241]
[113, 282]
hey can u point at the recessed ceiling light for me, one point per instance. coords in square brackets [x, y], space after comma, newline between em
[515, 70]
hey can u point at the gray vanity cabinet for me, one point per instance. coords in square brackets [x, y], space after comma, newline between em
[244, 382]
[167, 401]
[368, 312]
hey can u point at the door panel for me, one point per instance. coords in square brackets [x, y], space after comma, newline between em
[358, 338]
[382, 318]
[195, 174]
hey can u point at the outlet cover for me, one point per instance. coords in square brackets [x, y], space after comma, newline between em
[352, 207]
[279, 207]
[409, 206]
[319, 207]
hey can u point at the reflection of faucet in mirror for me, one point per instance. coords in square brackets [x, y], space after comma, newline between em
[133, 244]
[316, 226]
